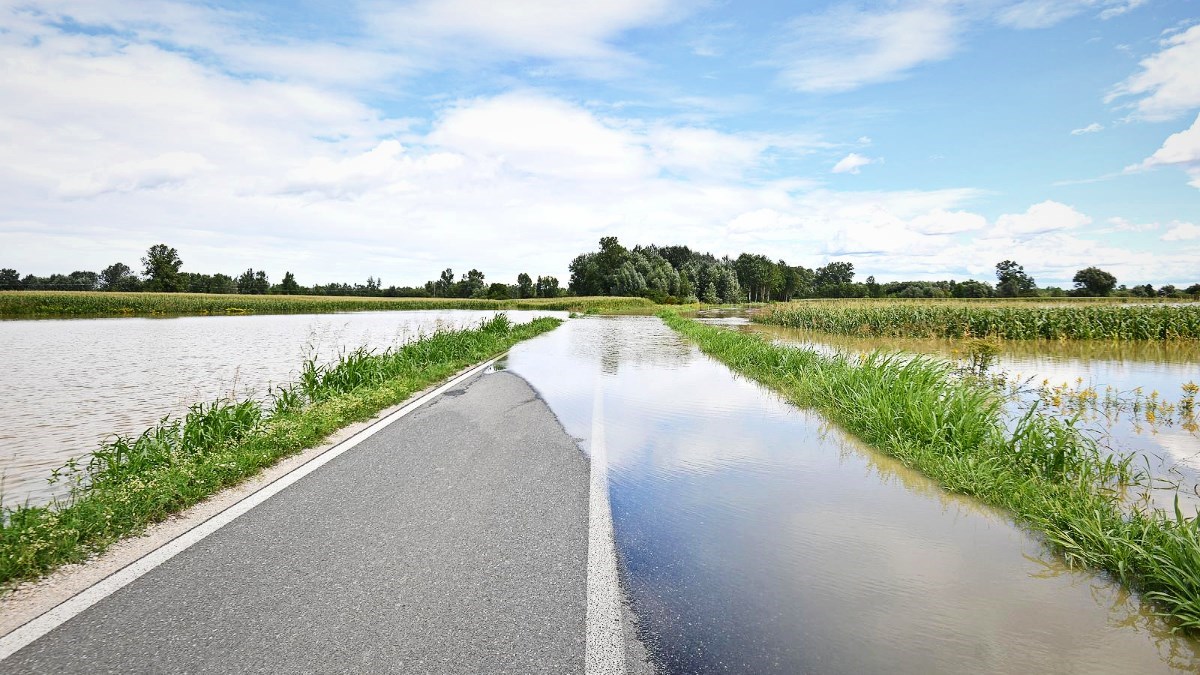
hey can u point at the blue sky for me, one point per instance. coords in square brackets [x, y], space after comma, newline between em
[918, 140]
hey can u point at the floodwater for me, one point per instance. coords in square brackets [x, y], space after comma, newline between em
[1167, 444]
[756, 538]
[69, 384]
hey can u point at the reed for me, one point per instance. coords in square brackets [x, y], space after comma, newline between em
[1007, 320]
[58, 304]
[131, 482]
[1041, 469]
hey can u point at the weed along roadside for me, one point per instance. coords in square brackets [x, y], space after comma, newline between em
[1043, 471]
[132, 482]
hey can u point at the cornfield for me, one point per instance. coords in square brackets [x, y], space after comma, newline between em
[1008, 321]
[48, 304]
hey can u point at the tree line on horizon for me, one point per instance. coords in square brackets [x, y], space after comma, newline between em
[669, 274]
[664, 274]
[161, 273]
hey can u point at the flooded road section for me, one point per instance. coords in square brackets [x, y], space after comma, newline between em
[756, 538]
[69, 384]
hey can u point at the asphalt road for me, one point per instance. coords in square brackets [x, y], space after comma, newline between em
[452, 541]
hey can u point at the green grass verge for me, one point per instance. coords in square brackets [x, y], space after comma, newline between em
[62, 304]
[132, 482]
[1048, 475]
[1009, 320]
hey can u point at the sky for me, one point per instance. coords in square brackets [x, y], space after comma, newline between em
[918, 140]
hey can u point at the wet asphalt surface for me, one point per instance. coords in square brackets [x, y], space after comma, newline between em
[452, 541]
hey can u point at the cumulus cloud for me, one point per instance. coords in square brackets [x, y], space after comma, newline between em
[1048, 216]
[1168, 82]
[1182, 232]
[852, 163]
[845, 48]
[1181, 149]
[1089, 129]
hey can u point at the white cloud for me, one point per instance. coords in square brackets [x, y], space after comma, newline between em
[844, 49]
[1089, 129]
[852, 163]
[941, 221]
[1045, 13]
[1048, 216]
[1182, 232]
[537, 28]
[1169, 81]
[1181, 149]
[171, 168]
[1122, 225]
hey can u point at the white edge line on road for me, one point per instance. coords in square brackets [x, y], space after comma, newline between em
[60, 614]
[604, 651]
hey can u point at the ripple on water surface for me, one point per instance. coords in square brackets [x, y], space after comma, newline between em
[757, 538]
[69, 384]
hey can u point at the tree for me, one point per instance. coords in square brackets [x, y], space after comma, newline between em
[9, 279]
[525, 284]
[498, 291]
[471, 285]
[1013, 281]
[445, 287]
[612, 256]
[161, 268]
[1094, 281]
[547, 287]
[973, 289]
[83, 281]
[118, 277]
[874, 290]
[586, 276]
[253, 283]
[835, 274]
[289, 286]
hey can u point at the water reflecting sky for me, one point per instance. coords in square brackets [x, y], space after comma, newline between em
[756, 538]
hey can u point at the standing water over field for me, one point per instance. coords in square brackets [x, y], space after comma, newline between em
[69, 384]
[1133, 397]
[755, 537]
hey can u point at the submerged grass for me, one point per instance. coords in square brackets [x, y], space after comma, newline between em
[131, 482]
[39, 304]
[1008, 320]
[1043, 470]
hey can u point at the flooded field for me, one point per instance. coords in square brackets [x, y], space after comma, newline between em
[71, 383]
[755, 537]
[1130, 396]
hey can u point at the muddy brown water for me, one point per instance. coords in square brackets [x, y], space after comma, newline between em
[756, 538]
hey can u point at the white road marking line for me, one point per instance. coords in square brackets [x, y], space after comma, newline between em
[73, 606]
[604, 653]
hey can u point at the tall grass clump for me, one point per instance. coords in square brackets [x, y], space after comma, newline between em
[131, 482]
[1051, 477]
[59, 304]
[1009, 321]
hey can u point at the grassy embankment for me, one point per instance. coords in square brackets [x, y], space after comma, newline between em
[1049, 476]
[130, 483]
[62, 304]
[1005, 320]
